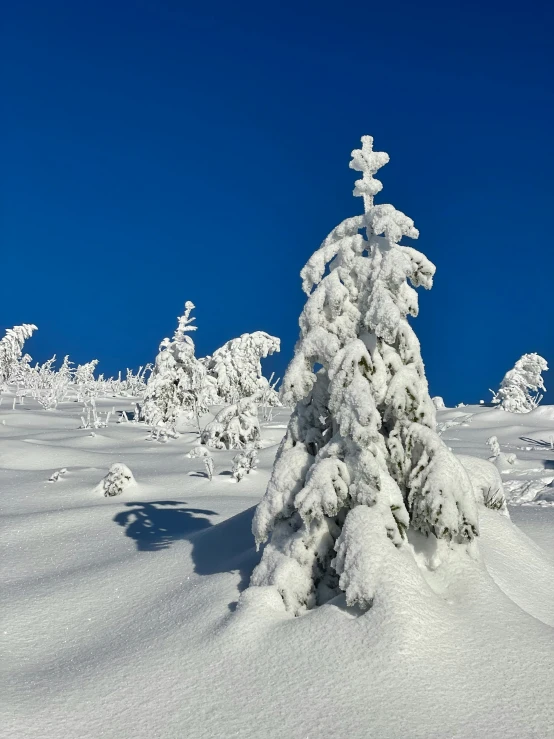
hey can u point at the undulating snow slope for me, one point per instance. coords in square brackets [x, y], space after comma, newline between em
[120, 618]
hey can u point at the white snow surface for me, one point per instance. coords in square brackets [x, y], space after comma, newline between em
[120, 618]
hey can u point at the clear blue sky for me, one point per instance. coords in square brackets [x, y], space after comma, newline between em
[157, 152]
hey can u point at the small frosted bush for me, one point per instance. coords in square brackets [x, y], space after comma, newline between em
[118, 479]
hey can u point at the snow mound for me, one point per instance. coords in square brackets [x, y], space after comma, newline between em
[540, 414]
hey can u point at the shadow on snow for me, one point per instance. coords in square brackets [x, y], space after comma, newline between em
[225, 547]
[156, 525]
[537, 442]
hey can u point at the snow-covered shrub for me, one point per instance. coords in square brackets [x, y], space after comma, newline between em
[118, 479]
[486, 482]
[41, 381]
[50, 386]
[234, 426]
[11, 349]
[84, 380]
[132, 385]
[92, 418]
[84, 374]
[55, 476]
[461, 420]
[36, 380]
[494, 447]
[504, 462]
[515, 390]
[209, 465]
[178, 380]
[438, 402]
[20, 371]
[47, 385]
[361, 460]
[268, 399]
[162, 434]
[237, 371]
[243, 462]
[201, 452]
[495, 502]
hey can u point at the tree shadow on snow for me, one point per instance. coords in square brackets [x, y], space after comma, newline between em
[156, 525]
[225, 547]
[536, 442]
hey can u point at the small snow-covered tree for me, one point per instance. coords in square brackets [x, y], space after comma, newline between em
[201, 452]
[486, 482]
[47, 385]
[21, 371]
[234, 426]
[11, 348]
[494, 446]
[515, 390]
[84, 379]
[236, 368]
[66, 370]
[361, 461]
[502, 461]
[244, 462]
[178, 380]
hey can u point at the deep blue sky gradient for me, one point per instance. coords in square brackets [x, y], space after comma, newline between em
[157, 152]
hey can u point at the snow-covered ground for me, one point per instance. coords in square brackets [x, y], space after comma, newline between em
[120, 615]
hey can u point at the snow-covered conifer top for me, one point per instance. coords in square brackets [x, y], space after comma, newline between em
[184, 323]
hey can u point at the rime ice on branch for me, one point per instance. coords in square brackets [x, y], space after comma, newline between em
[361, 461]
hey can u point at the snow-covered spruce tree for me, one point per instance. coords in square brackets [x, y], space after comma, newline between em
[514, 394]
[11, 348]
[177, 382]
[361, 461]
[236, 367]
